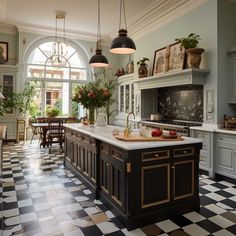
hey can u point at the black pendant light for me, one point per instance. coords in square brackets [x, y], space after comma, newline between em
[122, 44]
[98, 60]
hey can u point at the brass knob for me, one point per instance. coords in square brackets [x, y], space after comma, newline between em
[156, 155]
[108, 164]
[172, 167]
[185, 151]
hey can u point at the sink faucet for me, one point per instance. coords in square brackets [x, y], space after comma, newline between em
[127, 128]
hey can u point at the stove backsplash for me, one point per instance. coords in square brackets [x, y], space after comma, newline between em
[181, 103]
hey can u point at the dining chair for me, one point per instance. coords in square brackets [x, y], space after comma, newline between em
[55, 133]
[35, 130]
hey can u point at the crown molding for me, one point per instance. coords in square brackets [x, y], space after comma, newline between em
[47, 31]
[8, 29]
[2, 10]
[158, 14]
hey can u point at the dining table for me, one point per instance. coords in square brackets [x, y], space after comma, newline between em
[44, 128]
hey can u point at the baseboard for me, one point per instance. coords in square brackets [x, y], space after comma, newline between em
[203, 172]
[222, 177]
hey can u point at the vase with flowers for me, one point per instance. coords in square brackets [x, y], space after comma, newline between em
[92, 96]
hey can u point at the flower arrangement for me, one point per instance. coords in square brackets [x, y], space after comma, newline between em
[92, 94]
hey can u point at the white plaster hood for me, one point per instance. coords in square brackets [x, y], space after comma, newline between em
[174, 78]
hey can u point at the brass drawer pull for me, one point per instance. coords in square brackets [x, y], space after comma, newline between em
[185, 152]
[172, 167]
[156, 155]
[108, 164]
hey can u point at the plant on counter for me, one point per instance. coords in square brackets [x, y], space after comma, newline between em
[92, 96]
[189, 42]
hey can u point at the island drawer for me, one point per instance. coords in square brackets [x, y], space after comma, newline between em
[183, 152]
[155, 155]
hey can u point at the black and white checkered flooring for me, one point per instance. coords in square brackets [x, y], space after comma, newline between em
[41, 197]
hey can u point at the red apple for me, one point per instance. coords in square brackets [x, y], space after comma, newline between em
[172, 132]
[156, 132]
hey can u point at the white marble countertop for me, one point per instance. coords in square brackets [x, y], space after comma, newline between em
[213, 129]
[225, 131]
[104, 133]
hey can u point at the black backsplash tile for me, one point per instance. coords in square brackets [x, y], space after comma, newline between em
[181, 103]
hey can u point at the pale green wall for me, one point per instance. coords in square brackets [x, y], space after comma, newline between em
[226, 40]
[11, 39]
[203, 21]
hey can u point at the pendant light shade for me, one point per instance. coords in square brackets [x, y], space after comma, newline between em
[98, 60]
[122, 44]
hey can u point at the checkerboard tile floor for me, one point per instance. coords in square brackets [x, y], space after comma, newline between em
[41, 197]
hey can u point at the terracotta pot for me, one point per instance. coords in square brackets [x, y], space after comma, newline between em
[142, 70]
[194, 57]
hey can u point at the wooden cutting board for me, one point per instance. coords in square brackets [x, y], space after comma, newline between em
[137, 137]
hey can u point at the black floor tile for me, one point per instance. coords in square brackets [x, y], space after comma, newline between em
[209, 226]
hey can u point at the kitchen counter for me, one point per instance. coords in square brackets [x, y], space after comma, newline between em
[225, 131]
[104, 133]
[141, 182]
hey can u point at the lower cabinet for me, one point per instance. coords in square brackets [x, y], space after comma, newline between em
[81, 152]
[225, 163]
[112, 174]
[168, 176]
[206, 153]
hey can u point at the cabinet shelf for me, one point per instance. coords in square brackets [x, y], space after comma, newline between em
[173, 78]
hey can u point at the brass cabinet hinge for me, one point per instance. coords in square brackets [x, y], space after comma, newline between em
[128, 167]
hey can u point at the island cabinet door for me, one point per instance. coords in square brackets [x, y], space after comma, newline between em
[184, 172]
[112, 174]
[149, 180]
[87, 157]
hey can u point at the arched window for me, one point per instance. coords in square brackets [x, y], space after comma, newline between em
[55, 81]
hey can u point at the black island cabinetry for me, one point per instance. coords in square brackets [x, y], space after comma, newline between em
[139, 184]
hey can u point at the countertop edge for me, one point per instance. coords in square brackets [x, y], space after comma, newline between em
[109, 138]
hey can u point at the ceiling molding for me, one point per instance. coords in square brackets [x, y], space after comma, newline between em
[51, 32]
[8, 29]
[3, 10]
[159, 14]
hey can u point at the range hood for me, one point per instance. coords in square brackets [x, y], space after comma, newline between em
[174, 78]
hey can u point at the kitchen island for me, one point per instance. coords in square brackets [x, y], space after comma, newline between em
[140, 182]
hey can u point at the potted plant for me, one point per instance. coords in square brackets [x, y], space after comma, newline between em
[193, 52]
[142, 70]
[52, 111]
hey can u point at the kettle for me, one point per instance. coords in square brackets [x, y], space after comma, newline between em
[101, 119]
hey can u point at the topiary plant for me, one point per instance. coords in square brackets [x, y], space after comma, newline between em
[142, 61]
[189, 42]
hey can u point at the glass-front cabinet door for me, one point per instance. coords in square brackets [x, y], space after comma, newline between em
[127, 98]
[122, 98]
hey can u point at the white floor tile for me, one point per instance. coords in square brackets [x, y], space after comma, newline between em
[167, 225]
[91, 210]
[28, 217]
[194, 216]
[223, 232]
[136, 232]
[107, 227]
[231, 190]
[221, 221]
[215, 196]
[210, 188]
[215, 209]
[195, 230]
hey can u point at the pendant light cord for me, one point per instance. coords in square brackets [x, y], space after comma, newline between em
[122, 5]
[99, 28]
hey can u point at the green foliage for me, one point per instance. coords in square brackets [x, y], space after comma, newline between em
[142, 61]
[19, 101]
[109, 81]
[52, 111]
[190, 42]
